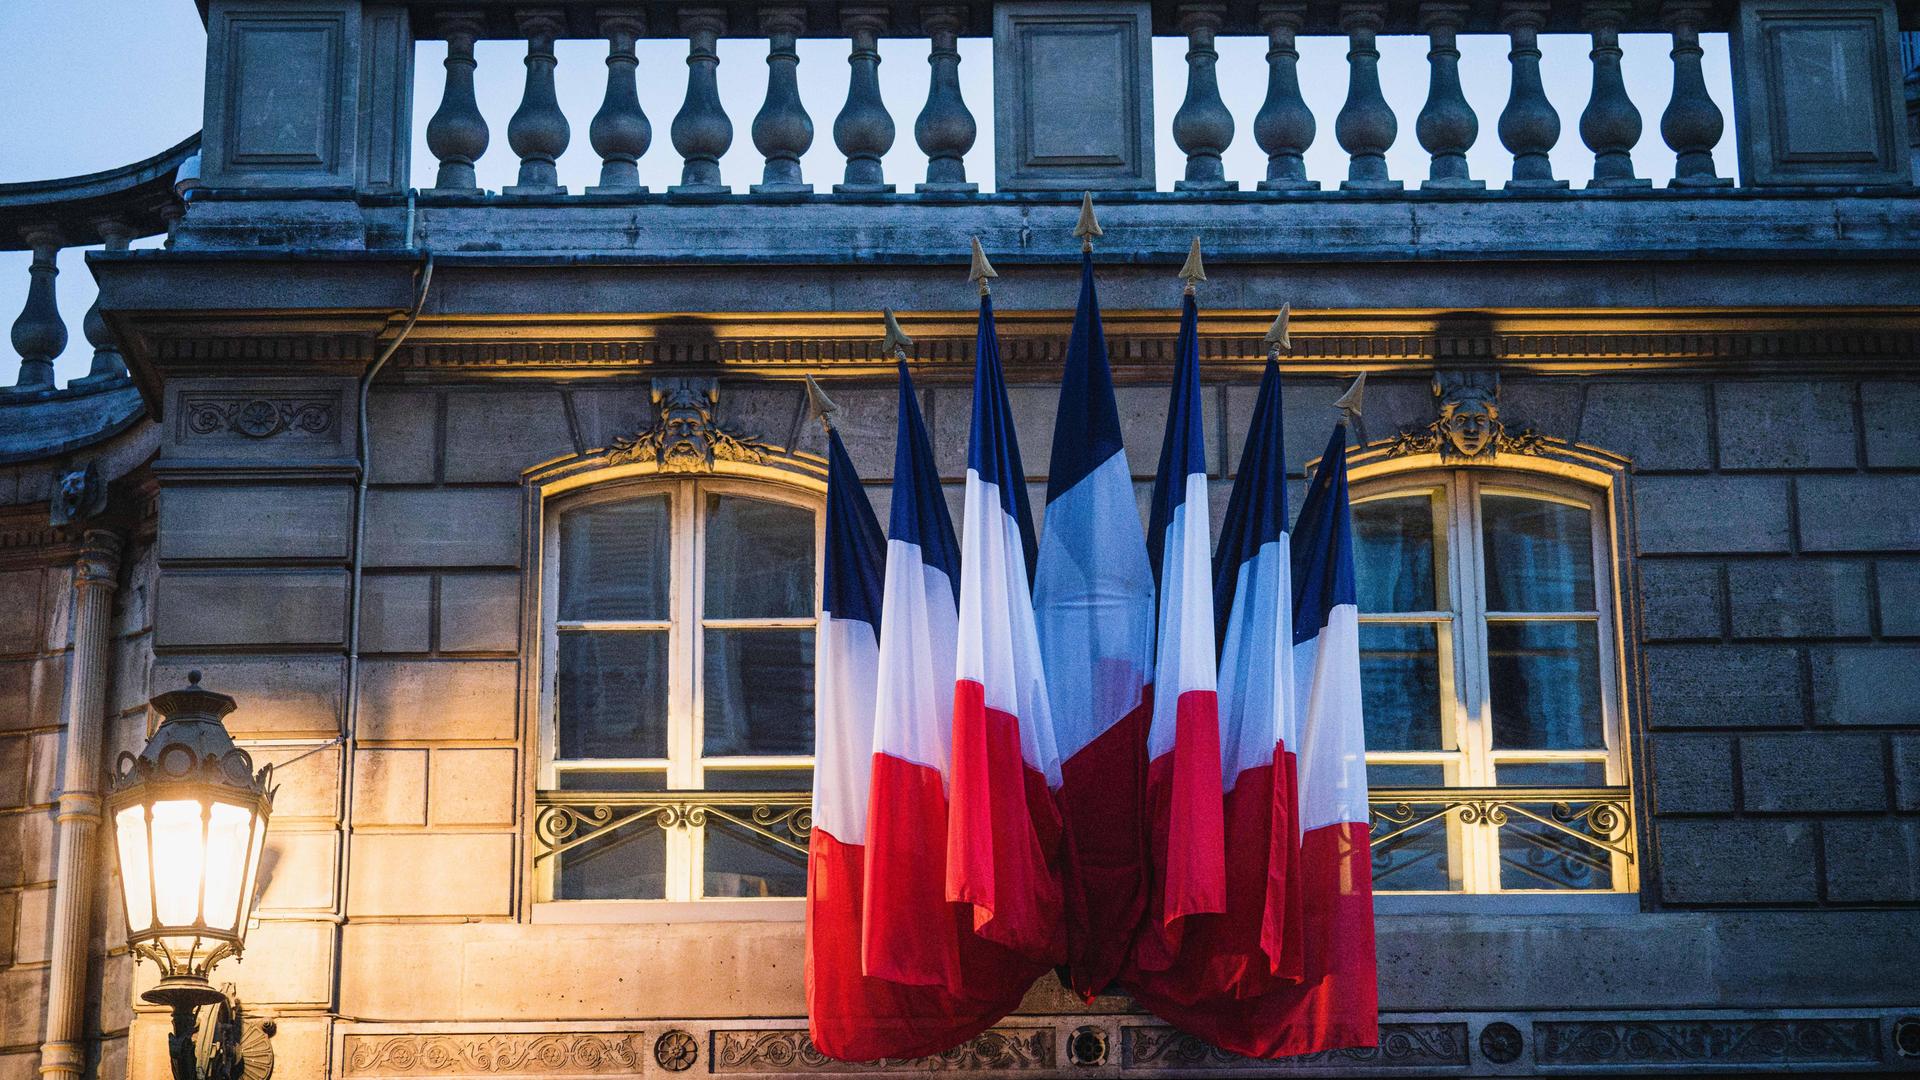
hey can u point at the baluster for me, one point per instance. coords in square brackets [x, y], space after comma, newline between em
[619, 132]
[1528, 125]
[863, 131]
[1284, 125]
[108, 364]
[1447, 125]
[1203, 127]
[457, 134]
[1365, 127]
[701, 131]
[945, 129]
[1610, 125]
[39, 334]
[1692, 123]
[538, 130]
[782, 131]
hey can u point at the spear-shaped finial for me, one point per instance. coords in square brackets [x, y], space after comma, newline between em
[1192, 271]
[820, 404]
[1349, 403]
[896, 340]
[1279, 335]
[981, 269]
[1087, 227]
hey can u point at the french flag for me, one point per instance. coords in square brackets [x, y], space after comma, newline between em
[1093, 601]
[1184, 790]
[1335, 1004]
[1004, 833]
[1256, 941]
[850, 1015]
[913, 935]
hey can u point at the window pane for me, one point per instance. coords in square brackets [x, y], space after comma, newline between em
[1544, 685]
[652, 780]
[1399, 776]
[759, 692]
[1411, 852]
[628, 863]
[1536, 856]
[613, 560]
[1400, 686]
[1552, 774]
[740, 861]
[1393, 554]
[759, 559]
[1539, 554]
[758, 779]
[612, 693]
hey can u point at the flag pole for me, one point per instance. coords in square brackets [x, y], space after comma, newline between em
[1280, 334]
[980, 270]
[1088, 226]
[821, 405]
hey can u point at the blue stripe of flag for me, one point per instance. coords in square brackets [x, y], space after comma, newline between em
[1183, 449]
[919, 512]
[1323, 544]
[993, 451]
[1257, 510]
[1086, 432]
[856, 555]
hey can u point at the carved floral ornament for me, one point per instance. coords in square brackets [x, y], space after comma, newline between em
[258, 417]
[684, 436]
[1467, 424]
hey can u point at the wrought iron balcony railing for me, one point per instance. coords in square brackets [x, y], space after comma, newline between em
[1550, 838]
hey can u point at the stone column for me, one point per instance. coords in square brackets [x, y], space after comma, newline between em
[1203, 127]
[1365, 127]
[782, 130]
[1284, 125]
[945, 129]
[538, 129]
[1692, 123]
[701, 131]
[1611, 124]
[864, 131]
[619, 132]
[1447, 125]
[1529, 126]
[39, 334]
[63, 1056]
[108, 364]
[457, 133]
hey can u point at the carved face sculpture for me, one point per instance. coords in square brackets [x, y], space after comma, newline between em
[1470, 420]
[685, 414]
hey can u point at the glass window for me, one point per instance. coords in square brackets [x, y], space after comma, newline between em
[1487, 663]
[680, 681]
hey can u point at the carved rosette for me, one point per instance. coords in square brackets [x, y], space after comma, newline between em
[259, 418]
[684, 436]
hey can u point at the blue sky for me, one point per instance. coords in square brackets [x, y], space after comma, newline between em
[82, 103]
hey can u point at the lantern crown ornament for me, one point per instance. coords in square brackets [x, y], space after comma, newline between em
[189, 816]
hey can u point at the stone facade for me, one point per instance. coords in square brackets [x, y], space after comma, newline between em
[1753, 429]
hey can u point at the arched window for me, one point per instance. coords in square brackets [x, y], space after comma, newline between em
[679, 657]
[1490, 662]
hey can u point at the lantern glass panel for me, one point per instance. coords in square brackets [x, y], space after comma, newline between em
[229, 832]
[136, 873]
[179, 861]
[253, 869]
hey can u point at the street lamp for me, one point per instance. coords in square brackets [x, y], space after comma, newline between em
[189, 818]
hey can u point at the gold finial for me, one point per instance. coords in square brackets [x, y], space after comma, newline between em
[896, 341]
[821, 405]
[1279, 335]
[1349, 402]
[1192, 271]
[1087, 227]
[981, 269]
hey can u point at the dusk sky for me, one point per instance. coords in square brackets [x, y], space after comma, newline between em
[94, 84]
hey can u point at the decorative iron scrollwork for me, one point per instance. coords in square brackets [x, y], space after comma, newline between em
[1562, 836]
[782, 821]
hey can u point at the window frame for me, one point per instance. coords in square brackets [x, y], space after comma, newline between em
[685, 765]
[1456, 490]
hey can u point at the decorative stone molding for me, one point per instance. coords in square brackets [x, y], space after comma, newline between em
[82, 496]
[559, 1053]
[676, 1051]
[259, 418]
[684, 436]
[1737, 1042]
[1417, 1045]
[1468, 425]
[1026, 1049]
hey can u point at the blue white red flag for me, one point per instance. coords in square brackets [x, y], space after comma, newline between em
[850, 1015]
[1004, 833]
[1187, 841]
[1335, 1003]
[1093, 601]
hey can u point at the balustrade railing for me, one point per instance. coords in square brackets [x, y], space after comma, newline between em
[1558, 839]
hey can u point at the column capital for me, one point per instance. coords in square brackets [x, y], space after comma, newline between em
[870, 22]
[1443, 15]
[1286, 15]
[783, 20]
[99, 560]
[621, 24]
